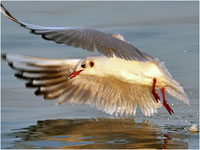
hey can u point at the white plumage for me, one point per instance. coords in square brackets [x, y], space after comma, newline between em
[117, 83]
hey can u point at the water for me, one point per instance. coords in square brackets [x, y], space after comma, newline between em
[166, 30]
[98, 133]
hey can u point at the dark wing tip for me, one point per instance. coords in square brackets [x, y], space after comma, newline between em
[4, 56]
[38, 92]
[2, 6]
[11, 65]
[32, 31]
[21, 76]
[30, 85]
[44, 37]
[5, 12]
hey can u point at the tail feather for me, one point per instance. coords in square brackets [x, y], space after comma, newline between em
[176, 90]
[173, 87]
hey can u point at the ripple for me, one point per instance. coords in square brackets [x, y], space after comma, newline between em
[99, 133]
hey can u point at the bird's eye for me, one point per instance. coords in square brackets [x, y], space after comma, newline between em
[83, 65]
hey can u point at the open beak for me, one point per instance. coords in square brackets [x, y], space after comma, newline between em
[74, 73]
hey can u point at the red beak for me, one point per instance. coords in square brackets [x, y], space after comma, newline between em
[73, 74]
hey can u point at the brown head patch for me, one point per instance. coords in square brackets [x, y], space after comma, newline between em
[91, 63]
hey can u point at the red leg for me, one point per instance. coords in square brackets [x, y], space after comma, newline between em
[156, 96]
[165, 102]
[165, 141]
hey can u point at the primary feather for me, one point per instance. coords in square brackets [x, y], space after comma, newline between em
[84, 38]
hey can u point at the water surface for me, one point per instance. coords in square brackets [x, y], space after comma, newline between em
[166, 30]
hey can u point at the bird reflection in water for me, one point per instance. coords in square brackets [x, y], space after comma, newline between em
[97, 133]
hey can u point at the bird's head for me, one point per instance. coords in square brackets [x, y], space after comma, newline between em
[85, 66]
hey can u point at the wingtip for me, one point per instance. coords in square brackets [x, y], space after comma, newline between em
[11, 65]
[30, 84]
[187, 101]
[5, 12]
[4, 56]
[2, 6]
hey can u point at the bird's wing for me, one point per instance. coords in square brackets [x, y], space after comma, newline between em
[50, 78]
[40, 71]
[110, 95]
[88, 39]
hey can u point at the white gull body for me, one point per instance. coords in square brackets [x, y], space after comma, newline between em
[116, 83]
[134, 72]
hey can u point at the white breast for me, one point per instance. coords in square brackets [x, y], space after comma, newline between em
[129, 71]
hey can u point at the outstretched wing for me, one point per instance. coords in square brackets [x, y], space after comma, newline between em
[41, 72]
[50, 78]
[88, 39]
[110, 95]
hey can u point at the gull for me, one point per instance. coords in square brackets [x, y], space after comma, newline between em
[117, 82]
